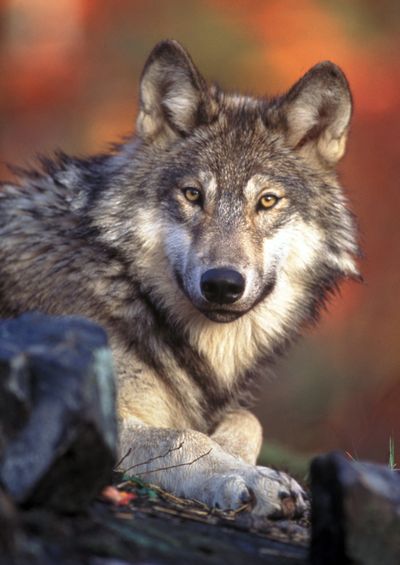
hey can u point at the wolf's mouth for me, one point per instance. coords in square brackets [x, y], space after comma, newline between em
[222, 316]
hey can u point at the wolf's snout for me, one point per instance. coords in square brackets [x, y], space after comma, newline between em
[222, 286]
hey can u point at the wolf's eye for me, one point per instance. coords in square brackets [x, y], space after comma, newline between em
[192, 194]
[267, 201]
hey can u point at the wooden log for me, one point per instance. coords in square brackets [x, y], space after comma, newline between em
[355, 512]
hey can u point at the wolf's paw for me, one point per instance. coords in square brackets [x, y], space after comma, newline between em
[271, 493]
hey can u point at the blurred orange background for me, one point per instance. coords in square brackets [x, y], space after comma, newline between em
[69, 80]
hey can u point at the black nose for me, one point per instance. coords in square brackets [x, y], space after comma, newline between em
[222, 286]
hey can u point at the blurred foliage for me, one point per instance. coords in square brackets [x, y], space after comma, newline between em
[285, 459]
[69, 77]
[367, 18]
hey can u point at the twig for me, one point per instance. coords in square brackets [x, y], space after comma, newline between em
[177, 465]
[170, 450]
[122, 459]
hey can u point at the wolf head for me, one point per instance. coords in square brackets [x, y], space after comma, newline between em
[240, 197]
[234, 199]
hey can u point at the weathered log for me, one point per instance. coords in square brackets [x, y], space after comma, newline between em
[355, 512]
[57, 417]
[105, 537]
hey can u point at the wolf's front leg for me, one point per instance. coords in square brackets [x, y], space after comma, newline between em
[192, 465]
[240, 434]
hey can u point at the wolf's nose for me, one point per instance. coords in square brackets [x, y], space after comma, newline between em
[222, 286]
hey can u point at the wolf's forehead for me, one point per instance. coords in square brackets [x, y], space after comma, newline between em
[232, 158]
[243, 165]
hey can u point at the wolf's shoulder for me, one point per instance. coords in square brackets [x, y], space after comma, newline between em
[62, 182]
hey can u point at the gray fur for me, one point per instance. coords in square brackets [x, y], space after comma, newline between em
[113, 238]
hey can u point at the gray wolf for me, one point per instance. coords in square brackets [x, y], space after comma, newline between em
[203, 244]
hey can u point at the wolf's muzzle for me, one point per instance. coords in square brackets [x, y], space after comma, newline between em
[222, 286]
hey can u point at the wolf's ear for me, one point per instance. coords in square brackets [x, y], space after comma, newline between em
[317, 112]
[173, 95]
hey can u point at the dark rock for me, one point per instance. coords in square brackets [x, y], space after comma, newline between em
[15, 401]
[355, 512]
[57, 416]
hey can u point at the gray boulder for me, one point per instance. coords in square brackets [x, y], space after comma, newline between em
[57, 411]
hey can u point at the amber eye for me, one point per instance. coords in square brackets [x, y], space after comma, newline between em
[267, 201]
[192, 194]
